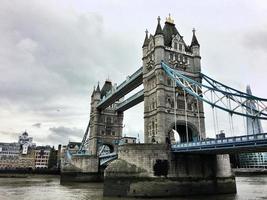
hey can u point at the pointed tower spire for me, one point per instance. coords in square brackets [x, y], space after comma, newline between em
[194, 41]
[159, 29]
[93, 92]
[98, 88]
[146, 40]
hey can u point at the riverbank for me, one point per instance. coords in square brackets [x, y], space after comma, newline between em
[28, 175]
[249, 171]
[24, 173]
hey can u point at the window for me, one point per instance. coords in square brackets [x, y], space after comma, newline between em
[169, 82]
[108, 120]
[180, 47]
[171, 56]
[175, 45]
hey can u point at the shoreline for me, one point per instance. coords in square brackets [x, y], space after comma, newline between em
[249, 171]
[29, 175]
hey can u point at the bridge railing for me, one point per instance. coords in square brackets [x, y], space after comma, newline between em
[228, 140]
[129, 79]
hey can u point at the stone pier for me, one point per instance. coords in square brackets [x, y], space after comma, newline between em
[81, 169]
[151, 170]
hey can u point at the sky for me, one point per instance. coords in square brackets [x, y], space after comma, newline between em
[53, 53]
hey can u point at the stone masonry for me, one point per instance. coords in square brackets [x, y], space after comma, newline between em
[168, 45]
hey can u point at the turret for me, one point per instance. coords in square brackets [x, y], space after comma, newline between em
[145, 44]
[194, 44]
[97, 94]
[195, 47]
[159, 43]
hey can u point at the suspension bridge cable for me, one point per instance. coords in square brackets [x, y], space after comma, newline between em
[217, 123]
[185, 110]
[198, 113]
[244, 122]
[213, 115]
[230, 118]
[175, 105]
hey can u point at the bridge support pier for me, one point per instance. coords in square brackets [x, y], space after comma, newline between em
[81, 168]
[151, 170]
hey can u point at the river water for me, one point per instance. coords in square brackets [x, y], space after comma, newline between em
[48, 188]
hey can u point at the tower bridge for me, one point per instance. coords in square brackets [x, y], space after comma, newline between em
[174, 90]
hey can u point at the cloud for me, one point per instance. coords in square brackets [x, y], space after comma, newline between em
[37, 125]
[256, 40]
[52, 57]
[61, 134]
[48, 53]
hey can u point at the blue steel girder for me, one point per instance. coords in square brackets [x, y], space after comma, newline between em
[237, 144]
[104, 159]
[219, 95]
[131, 101]
[132, 82]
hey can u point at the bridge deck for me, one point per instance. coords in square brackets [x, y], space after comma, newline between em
[124, 88]
[131, 101]
[238, 144]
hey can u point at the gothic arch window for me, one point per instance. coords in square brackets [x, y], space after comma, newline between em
[175, 45]
[169, 82]
[171, 56]
[180, 47]
[108, 120]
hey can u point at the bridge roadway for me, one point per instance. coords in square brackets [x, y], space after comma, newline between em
[131, 101]
[132, 82]
[238, 144]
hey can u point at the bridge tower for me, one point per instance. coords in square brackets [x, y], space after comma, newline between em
[105, 125]
[165, 109]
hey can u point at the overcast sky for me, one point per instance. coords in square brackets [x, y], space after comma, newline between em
[52, 53]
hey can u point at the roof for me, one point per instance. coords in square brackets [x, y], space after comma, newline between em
[158, 29]
[106, 88]
[25, 133]
[145, 44]
[169, 30]
[43, 147]
[97, 88]
[194, 41]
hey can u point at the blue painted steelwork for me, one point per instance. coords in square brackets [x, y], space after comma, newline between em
[223, 95]
[110, 97]
[81, 150]
[224, 145]
[131, 101]
[105, 159]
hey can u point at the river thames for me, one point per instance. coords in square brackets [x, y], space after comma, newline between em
[48, 188]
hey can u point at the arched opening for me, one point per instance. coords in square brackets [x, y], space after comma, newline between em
[105, 149]
[181, 129]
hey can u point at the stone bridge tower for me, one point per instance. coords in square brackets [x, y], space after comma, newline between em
[105, 125]
[159, 103]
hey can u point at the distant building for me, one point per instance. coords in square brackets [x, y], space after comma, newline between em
[252, 160]
[26, 142]
[73, 147]
[9, 155]
[42, 154]
[128, 140]
[221, 135]
[18, 155]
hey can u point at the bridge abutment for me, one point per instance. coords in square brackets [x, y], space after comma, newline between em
[152, 170]
[81, 168]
